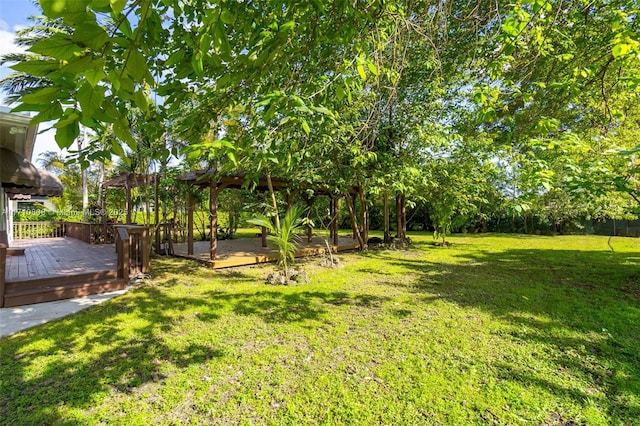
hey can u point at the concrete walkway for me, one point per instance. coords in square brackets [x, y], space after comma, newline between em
[13, 320]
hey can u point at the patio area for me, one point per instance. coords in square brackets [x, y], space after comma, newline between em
[58, 257]
[249, 251]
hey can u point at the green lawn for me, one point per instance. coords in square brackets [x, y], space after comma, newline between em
[492, 330]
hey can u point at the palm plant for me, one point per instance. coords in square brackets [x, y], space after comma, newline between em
[20, 83]
[285, 240]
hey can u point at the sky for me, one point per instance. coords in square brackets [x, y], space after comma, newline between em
[13, 17]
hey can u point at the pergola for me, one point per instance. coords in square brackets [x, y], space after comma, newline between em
[218, 182]
[127, 181]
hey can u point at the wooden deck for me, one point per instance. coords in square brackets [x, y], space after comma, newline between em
[58, 257]
[249, 251]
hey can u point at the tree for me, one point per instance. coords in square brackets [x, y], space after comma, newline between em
[358, 94]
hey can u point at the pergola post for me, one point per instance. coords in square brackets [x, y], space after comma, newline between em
[263, 236]
[127, 189]
[213, 219]
[403, 215]
[213, 215]
[190, 209]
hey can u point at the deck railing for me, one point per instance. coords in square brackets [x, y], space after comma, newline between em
[92, 233]
[3, 265]
[29, 230]
[132, 243]
[133, 247]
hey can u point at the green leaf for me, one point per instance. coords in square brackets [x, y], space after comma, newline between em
[196, 64]
[42, 96]
[62, 8]
[125, 28]
[70, 115]
[372, 68]
[361, 72]
[305, 126]
[220, 42]
[29, 107]
[224, 81]
[52, 112]
[67, 134]
[122, 132]
[117, 149]
[141, 100]
[94, 76]
[79, 64]
[90, 34]
[175, 58]
[38, 68]
[227, 17]
[57, 46]
[117, 5]
[621, 49]
[90, 98]
[137, 66]
[232, 157]
[288, 26]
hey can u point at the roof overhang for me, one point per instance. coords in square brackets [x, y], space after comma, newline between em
[16, 134]
[19, 176]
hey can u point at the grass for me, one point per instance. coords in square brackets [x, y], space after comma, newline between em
[495, 329]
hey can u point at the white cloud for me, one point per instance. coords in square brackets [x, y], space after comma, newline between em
[7, 43]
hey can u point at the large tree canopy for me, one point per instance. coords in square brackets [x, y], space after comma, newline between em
[391, 93]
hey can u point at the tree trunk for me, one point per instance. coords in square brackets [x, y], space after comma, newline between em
[333, 211]
[399, 217]
[365, 213]
[387, 227]
[354, 222]
[274, 203]
[85, 185]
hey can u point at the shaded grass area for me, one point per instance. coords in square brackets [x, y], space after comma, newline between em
[493, 330]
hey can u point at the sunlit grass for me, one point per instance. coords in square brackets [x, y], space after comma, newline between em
[493, 330]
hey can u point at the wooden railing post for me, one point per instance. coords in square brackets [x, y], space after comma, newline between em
[123, 249]
[146, 250]
[3, 266]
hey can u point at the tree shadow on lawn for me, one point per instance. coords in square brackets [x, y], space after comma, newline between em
[583, 304]
[39, 373]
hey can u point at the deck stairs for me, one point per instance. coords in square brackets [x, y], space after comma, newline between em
[61, 287]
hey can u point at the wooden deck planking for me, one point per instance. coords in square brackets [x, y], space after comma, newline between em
[52, 257]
